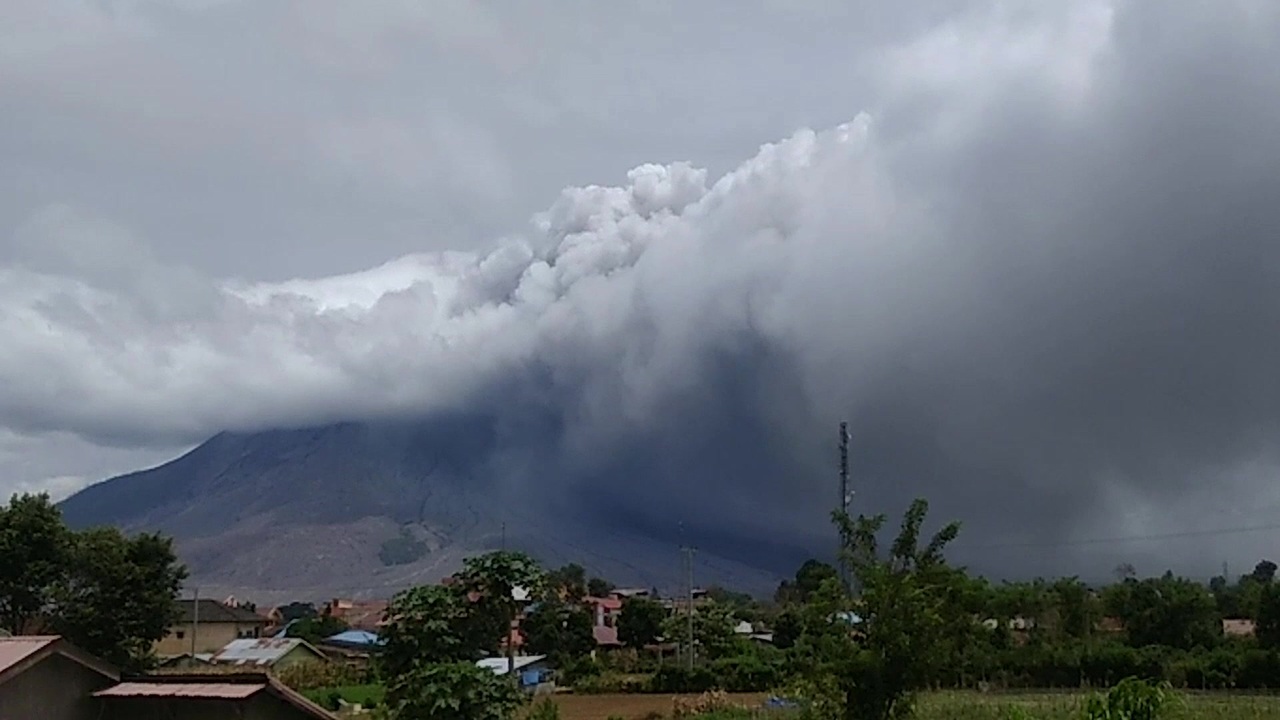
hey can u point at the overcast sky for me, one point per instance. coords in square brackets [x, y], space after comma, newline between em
[1028, 249]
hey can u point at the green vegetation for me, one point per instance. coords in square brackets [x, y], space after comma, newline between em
[435, 633]
[316, 628]
[107, 593]
[366, 696]
[401, 550]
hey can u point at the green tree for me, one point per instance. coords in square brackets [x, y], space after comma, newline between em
[599, 587]
[1264, 572]
[559, 630]
[640, 623]
[1268, 618]
[1078, 611]
[35, 549]
[570, 581]
[492, 581]
[427, 625]
[1170, 611]
[713, 635]
[117, 596]
[903, 614]
[316, 628]
[811, 575]
[452, 691]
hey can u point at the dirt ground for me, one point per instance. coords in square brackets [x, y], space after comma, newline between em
[630, 707]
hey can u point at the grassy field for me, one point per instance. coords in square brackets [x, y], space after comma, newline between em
[949, 706]
[1061, 706]
[362, 694]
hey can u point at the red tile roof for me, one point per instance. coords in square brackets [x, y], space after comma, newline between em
[608, 603]
[605, 635]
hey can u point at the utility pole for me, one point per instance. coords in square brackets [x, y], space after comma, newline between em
[688, 573]
[844, 502]
[504, 536]
[195, 620]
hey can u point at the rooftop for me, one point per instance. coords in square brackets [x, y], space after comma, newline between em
[499, 664]
[14, 650]
[221, 687]
[23, 651]
[212, 611]
[259, 651]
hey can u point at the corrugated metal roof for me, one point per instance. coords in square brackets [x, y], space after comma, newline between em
[222, 691]
[499, 664]
[259, 651]
[354, 637]
[14, 650]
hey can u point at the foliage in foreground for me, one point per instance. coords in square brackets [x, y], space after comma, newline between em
[452, 691]
[110, 594]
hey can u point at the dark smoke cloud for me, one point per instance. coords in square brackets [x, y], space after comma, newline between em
[1039, 276]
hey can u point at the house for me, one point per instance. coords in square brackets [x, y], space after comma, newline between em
[534, 670]
[205, 697]
[352, 646]
[46, 677]
[364, 615]
[604, 610]
[1238, 627]
[211, 624]
[272, 653]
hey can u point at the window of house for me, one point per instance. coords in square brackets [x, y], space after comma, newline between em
[181, 634]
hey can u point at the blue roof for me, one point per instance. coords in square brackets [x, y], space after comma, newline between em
[354, 637]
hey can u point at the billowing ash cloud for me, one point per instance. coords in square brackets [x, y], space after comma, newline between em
[1039, 276]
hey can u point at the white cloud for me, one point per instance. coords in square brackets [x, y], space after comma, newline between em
[994, 265]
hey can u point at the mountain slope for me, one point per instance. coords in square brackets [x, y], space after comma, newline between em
[321, 511]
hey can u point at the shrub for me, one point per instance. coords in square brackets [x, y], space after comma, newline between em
[1131, 699]
[313, 675]
[674, 679]
[545, 709]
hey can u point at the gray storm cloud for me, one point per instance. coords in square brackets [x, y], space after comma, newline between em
[1039, 275]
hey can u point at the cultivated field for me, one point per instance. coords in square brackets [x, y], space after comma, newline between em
[950, 706]
[630, 707]
[1068, 706]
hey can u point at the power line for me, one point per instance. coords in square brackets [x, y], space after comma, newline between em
[1130, 538]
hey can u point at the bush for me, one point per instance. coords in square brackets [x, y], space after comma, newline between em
[748, 673]
[545, 709]
[676, 679]
[314, 675]
[612, 683]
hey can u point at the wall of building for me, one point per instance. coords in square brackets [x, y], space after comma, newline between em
[211, 637]
[56, 688]
[296, 656]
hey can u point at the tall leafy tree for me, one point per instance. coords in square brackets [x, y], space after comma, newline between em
[1268, 618]
[1264, 572]
[569, 581]
[640, 622]
[35, 549]
[713, 635]
[808, 579]
[452, 691]
[117, 597]
[1170, 611]
[902, 613]
[493, 581]
[426, 625]
[599, 587]
[560, 630]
